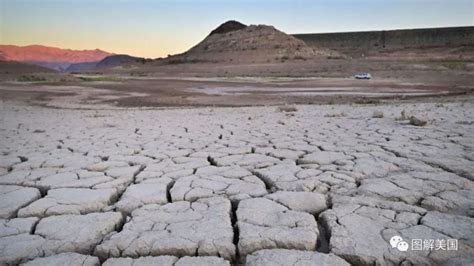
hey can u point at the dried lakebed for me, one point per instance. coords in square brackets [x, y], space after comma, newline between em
[326, 185]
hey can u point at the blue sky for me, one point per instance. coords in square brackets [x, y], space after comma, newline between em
[157, 28]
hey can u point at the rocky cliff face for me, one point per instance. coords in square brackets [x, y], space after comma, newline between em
[415, 38]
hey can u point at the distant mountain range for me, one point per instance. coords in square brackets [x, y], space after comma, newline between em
[50, 57]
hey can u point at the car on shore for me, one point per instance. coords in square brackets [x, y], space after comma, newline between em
[363, 76]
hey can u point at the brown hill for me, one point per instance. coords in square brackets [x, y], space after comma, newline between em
[39, 53]
[11, 70]
[228, 26]
[235, 42]
[108, 62]
[114, 60]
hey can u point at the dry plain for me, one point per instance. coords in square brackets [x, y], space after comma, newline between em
[86, 178]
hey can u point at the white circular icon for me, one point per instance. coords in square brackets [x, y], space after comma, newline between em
[402, 246]
[395, 240]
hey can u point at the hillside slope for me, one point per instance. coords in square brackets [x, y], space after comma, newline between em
[235, 42]
[115, 60]
[455, 42]
[11, 70]
[112, 61]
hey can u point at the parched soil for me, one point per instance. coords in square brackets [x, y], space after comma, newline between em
[331, 184]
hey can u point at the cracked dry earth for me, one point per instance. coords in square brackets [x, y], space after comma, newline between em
[251, 186]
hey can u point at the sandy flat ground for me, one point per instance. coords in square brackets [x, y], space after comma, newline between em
[98, 182]
[122, 91]
[315, 81]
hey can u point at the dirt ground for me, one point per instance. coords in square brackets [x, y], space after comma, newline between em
[139, 157]
[219, 84]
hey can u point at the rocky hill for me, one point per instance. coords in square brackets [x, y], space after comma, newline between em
[81, 67]
[238, 43]
[228, 26]
[11, 70]
[114, 60]
[108, 62]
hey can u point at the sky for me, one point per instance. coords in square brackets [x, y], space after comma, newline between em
[157, 28]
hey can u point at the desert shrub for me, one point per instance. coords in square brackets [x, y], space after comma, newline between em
[299, 57]
[287, 109]
[284, 58]
[30, 78]
[377, 114]
[138, 74]
[402, 116]
[367, 101]
[98, 78]
[335, 57]
[176, 61]
[455, 64]
[415, 121]
[339, 114]
[87, 73]
[185, 61]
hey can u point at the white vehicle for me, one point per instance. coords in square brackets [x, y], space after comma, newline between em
[363, 76]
